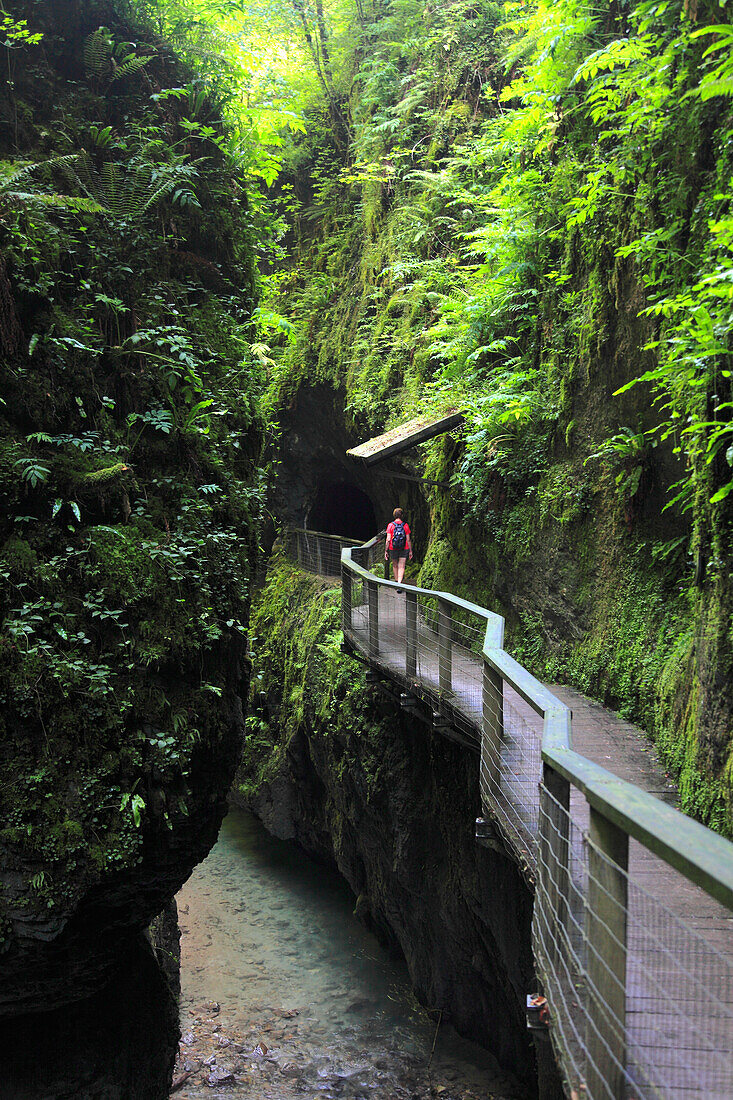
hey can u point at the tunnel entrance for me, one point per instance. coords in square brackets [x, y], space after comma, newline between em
[341, 508]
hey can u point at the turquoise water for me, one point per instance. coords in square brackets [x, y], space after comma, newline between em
[272, 957]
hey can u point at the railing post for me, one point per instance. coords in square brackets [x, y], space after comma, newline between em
[411, 634]
[554, 866]
[346, 596]
[605, 932]
[492, 730]
[373, 598]
[445, 638]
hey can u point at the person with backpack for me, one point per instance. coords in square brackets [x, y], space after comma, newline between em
[398, 545]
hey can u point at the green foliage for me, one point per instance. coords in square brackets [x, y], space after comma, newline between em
[302, 682]
[532, 226]
[129, 438]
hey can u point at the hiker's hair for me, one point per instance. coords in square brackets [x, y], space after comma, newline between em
[397, 514]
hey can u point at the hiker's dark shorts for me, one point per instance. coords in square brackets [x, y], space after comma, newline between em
[397, 554]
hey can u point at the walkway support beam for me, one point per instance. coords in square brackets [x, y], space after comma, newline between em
[606, 918]
[445, 642]
[410, 634]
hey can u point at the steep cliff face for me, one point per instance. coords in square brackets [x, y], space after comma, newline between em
[532, 223]
[334, 764]
[119, 1043]
[317, 486]
[128, 443]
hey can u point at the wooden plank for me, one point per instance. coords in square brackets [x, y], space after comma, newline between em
[405, 436]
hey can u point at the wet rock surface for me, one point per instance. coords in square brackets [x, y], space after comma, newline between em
[230, 1063]
[393, 806]
[119, 1044]
[285, 995]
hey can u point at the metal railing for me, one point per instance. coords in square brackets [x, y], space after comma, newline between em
[315, 551]
[641, 1005]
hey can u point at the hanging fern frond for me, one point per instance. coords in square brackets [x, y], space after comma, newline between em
[17, 186]
[130, 65]
[105, 60]
[37, 168]
[57, 202]
[128, 191]
[98, 51]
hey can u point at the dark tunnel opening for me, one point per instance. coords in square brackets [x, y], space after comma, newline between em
[341, 508]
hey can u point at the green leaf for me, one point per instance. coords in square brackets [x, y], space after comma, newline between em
[722, 493]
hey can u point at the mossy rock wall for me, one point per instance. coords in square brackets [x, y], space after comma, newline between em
[336, 766]
[129, 440]
[443, 264]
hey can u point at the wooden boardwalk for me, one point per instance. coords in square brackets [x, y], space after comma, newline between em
[679, 949]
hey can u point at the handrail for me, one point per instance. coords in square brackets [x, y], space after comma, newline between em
[316, 551]
[581, 917]
[495, 623]
[322, 535]
[696, 848]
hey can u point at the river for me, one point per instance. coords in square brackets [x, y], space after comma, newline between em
[285, 994]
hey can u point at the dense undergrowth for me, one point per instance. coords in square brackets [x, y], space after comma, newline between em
[302, 681]
[129, 441]
[530, 221]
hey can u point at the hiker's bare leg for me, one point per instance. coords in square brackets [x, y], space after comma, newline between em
[400, 570]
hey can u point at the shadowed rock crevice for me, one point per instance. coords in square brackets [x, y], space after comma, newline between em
[119, 1044]
[341, 508]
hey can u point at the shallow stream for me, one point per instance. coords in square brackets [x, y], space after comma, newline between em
[285, 994]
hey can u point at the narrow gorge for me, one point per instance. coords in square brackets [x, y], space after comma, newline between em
[239, 239]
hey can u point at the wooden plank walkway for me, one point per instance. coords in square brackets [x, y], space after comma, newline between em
[679, 1005]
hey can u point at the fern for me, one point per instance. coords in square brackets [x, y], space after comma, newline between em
[23, 196]
[103, 59]
[127, 192]
[97, 51]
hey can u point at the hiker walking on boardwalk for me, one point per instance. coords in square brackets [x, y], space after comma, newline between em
[399, 545]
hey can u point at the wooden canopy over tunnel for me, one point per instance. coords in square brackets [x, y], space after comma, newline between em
[404, 436]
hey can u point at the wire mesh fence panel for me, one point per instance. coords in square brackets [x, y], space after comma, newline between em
[373, 555]
[428, 663]
[511, 765]
[356, 613]
[641, 1003]
[465, 701]
[679, 1005]
[642, 1006]
[558, 934]
[315, 551]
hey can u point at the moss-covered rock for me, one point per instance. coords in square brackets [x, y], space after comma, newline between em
[523, 247]
[129, 436]
[332, 763]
